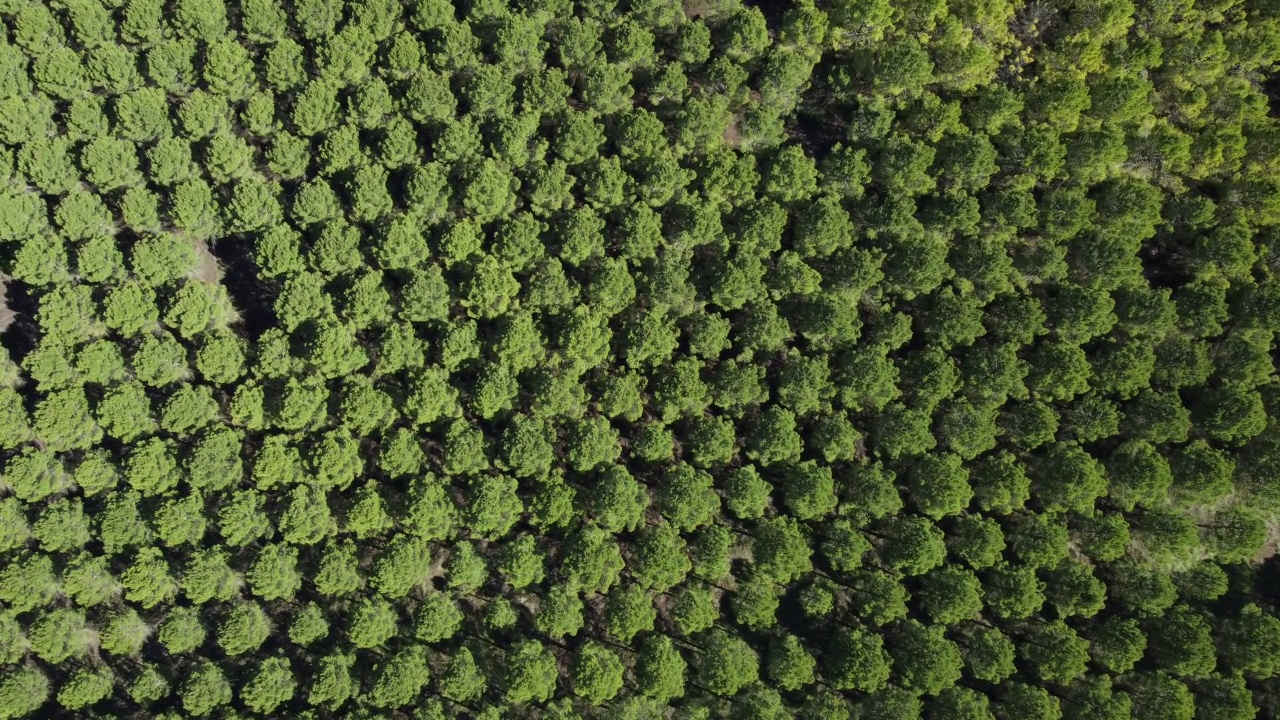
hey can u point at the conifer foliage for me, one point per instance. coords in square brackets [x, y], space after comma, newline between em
[639, 359]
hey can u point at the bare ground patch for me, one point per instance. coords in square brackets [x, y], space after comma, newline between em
[7, 315]
[733, 136]
[695, 8]
[207, 269]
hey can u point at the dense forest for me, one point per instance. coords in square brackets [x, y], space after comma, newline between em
[640, 359]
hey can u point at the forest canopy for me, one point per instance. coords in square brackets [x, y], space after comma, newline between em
[640, 359]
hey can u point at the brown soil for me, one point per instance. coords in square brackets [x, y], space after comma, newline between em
[207, 269]
[694, 8]
[7, 315]
[732, 137]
